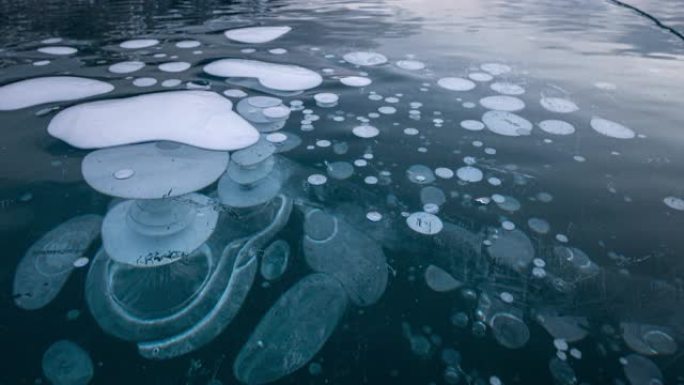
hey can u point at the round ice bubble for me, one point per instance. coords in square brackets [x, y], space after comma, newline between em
[65, 363]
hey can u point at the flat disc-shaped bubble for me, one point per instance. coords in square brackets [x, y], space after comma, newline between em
[557, 127]
[340, 170]
[674, 203]
[174, 66]
[640, 370]
[506, 123]
[420, 174]
[577, 259]
[439, 280]
[274, 260]
[502, 103]
[469, 174]
[250, 175]
[47, 264]
[279, 77]
[292, 331]
[152, 170]
[509, 330]
[254, 154]
[410, 65]
[567, 328]
[234, 194]
[512, 248]
[496, 69]
[456, 84]
[432, 195]
[648, 339]
[152, 233]
[350, 256]
[559, 105]
[366, 131]
[65, 363]
[507, 88]
[198, 118]
[49, 89]
[58, 50]
[139, 43]
[257, 35]
[355, 81]
[126, 67]
[611, 129]
[364, 58]
[424, 223]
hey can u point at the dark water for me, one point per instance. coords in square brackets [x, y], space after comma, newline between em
[617, 200]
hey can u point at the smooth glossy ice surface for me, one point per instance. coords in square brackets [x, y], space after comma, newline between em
[49, 89]
[48, 263]
[292, 331]
[197, 118]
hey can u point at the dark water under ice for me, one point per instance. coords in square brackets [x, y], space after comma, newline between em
[620, 201]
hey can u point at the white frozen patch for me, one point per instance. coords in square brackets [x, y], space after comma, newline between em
[40, 63]
[139, 43]
[277, 51]
[507, 88]
[469, 174]
[235, 93]
[674, 203]
[355, 81]
[317, 179]
[144, 82]
[424, 223]
[168, 83]
[256, 35]
[281, 77]
[126, 67]
[197, 118]
[52, 40]
[506, 123]
[557, 127]
[456, 84]
[411, 65]
[365, 58]
[611, 129]
[188, 44]
[365, 131]
[439, 280]
[32, 92]
[502, 103]
[174, 66]
[472, 125]
[480, 76]
[58, 50]
[559, 105]
[495, 69]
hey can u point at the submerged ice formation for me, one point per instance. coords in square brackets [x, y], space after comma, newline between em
[65, 363]
[506, 123]
[334, 247]
[49, 89]
[199, 118]
[280, 77]
[47, 264]
[293, 330]
[257, 35]
[440, 280]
